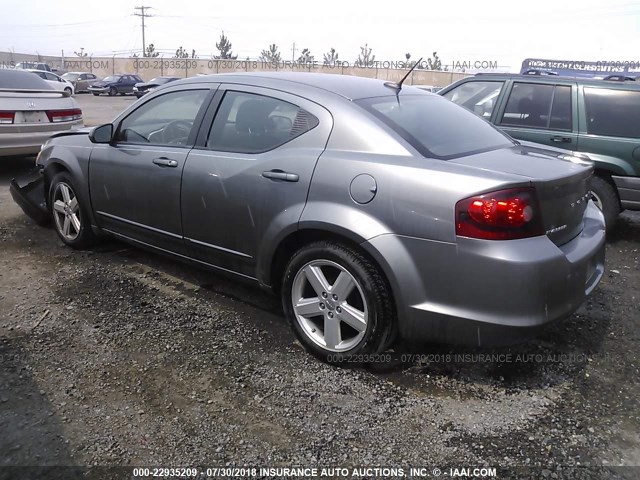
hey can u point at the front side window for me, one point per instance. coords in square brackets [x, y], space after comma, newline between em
[164, 120]
[539, 106]
[434, 126]
[614, 113]
[479, 97]
[250, 123]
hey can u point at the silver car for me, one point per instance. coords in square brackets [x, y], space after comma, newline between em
[372, 209]
[31, 111]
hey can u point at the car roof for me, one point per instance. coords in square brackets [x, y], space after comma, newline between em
[347, 86]
[594, 82]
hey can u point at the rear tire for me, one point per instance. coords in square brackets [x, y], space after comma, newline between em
[605, 197]
[337, 302]
[70, 218]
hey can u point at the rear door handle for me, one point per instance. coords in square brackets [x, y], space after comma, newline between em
[559, 139]
[165, 162]
[280, 175]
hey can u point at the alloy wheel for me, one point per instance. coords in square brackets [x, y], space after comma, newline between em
[329, 305]
[66, 211]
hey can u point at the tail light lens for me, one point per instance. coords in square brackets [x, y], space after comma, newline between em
[503, 215]
[7, 117]
[69, 115]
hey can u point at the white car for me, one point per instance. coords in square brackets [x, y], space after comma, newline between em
[56, 81]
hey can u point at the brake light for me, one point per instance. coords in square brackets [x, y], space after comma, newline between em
[503, 215]
[64, 115]
[7, 117]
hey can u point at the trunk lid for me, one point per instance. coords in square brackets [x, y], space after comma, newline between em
[561, 182]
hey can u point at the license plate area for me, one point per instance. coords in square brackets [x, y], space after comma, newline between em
[31, 117]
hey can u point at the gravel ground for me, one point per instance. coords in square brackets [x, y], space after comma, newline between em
[118, 357]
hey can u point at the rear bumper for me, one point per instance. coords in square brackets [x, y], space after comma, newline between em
[629, 191]
[481, 293]
[29, 143]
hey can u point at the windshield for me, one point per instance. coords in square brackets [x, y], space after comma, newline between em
[70, 76]
[111, 78]
[434, 126]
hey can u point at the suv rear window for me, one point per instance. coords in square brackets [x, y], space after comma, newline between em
[611, 112]
[435, 126]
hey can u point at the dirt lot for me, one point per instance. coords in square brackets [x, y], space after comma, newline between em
[118, 357]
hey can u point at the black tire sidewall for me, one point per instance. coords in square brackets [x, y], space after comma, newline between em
[609, 199]
[85, 237]
[113, 91]
[347, 258]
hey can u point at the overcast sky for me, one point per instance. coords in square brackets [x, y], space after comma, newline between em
[466, 30]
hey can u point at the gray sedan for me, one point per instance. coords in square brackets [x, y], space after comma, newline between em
[370, 208]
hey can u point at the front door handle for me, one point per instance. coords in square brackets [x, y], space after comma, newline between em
[559, 139]
[165, 162]
[280, 175]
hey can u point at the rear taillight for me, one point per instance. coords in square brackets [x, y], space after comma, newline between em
[7, 117]
[502, 215]
[64, 115]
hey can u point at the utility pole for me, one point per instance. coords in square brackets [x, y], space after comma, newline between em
[143, 15]
[293, 52]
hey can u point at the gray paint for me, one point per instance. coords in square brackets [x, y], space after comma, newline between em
[219, 210]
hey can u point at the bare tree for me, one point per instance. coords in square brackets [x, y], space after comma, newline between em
[305, 56]
[331, 57]
[365, 59]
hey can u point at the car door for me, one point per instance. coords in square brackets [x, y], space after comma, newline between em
[246, 181]
[135, 180]
[541, 113]
[82, 83]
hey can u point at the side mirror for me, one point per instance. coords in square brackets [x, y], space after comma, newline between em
[102, 134]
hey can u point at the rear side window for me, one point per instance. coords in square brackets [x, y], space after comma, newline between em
[614, 113]
[539, 106]
[479, 97]
[250, 123]
[434, 126]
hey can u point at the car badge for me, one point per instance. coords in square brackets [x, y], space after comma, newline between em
[31, 104]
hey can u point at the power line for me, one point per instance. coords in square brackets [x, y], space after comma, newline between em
[142, 15]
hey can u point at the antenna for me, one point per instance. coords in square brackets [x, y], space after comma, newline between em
[398, 86]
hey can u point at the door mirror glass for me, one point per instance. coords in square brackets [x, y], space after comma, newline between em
[102, 134]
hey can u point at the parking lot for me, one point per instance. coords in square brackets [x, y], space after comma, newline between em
[116, 356]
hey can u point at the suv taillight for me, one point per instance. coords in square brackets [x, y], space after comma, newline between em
[64, 115]
[7, 117]
[502, 215]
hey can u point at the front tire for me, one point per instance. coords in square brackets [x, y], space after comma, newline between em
[606, 199]
[68, 90]
[113, 91]
[95, 94]
[337, 302]
[70, 218]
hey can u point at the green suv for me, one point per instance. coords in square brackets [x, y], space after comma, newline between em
[597, 118]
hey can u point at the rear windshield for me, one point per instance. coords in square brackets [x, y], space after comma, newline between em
[435, 126]
[22, 80]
